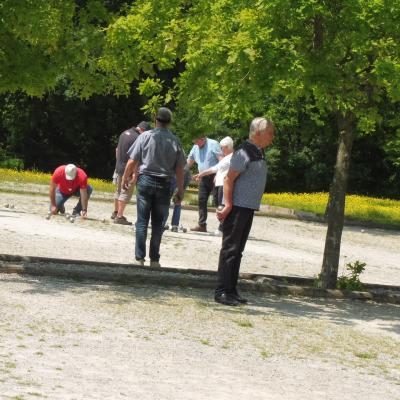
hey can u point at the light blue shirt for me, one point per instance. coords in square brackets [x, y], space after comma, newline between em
[206, 156]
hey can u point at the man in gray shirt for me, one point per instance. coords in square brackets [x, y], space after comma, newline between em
[243, 189]
[155, 158]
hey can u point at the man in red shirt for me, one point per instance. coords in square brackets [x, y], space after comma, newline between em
[66, 181]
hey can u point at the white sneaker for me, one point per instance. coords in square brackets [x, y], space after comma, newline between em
[139, 262]
[155, 264]
[218, 233]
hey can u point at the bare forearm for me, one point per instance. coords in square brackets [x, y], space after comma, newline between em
[131, 168]
[52, 194]
[84, 199]
[228, 191]
[179, 178]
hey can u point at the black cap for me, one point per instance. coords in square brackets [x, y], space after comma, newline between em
[164, 115]
[144, 125]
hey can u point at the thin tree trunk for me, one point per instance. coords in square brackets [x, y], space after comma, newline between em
[336, 202]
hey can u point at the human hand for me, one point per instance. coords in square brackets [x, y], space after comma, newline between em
[84, 214]
[54, 210]
[196, 177]
[125, 182]
[178, 197]
[223, 212]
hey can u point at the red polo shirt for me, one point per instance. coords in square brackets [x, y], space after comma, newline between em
[66, 186]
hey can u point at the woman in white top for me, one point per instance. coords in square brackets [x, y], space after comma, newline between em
[220, 169]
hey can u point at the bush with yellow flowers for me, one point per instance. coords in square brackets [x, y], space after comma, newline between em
[362, 208]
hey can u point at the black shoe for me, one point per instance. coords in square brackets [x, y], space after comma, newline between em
[114, 214]
[226, 300]
[240, 299]
[122, 221]
[199, 228]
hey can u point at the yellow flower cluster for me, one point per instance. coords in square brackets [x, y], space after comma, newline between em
[363, 208]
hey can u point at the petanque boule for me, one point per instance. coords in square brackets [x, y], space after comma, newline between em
[72, 220]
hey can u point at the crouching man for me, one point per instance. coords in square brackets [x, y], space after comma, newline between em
[66, 181]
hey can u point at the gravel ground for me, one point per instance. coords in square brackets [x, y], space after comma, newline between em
[62, 339]
[277, 246]
[65, 339]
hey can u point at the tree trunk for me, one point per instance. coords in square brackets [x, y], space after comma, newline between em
[336, 202]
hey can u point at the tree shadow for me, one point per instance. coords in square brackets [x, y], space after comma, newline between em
[340, 312]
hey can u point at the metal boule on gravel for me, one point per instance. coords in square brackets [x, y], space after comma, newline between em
[48, 215]
[72, 220]
[12, 206]
[6, 205]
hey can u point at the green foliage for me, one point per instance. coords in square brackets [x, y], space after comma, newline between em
[351, 280]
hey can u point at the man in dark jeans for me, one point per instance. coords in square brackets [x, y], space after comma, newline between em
[155, 158]
[243, 189]
[206, 153]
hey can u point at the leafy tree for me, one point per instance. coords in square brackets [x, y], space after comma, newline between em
[341, 58]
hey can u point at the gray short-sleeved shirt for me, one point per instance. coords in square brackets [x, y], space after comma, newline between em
[159, 152]
[249, 186]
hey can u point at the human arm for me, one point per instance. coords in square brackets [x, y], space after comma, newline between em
[229, 183]
[206, 172]
[179, 172]
[52, 194]
[190, 162]
[130, 173]
[84, 201]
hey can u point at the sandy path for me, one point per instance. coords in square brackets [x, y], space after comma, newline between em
[62, 339]
[283, 247]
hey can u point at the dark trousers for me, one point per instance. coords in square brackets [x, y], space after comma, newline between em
[206, 187]
[236, 229]
[61, 198]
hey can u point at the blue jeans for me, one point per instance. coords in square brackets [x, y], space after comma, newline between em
[176, 214]
[61, 198]
[152, 199]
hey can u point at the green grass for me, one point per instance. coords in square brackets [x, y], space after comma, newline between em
[244, 323]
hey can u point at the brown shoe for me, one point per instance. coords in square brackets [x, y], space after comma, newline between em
[199, 228]
[122, 221]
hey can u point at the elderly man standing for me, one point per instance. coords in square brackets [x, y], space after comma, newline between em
[243, 189]
[206, 153]
[122, 196]
[155, 159]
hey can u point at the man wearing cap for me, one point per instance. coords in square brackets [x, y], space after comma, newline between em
[244, 186]
[122, 196]
[66, 181]
[206, 153]
[155, 158]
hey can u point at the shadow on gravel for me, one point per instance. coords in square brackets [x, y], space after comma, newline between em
[340, 312]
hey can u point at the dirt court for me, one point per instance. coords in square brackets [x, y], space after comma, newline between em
[277, 246]
[66, 339]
